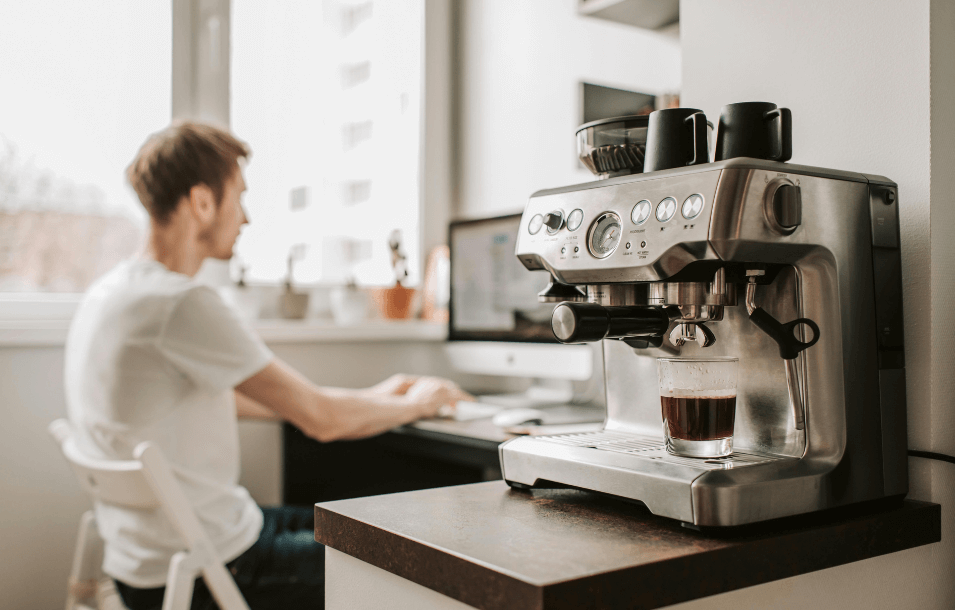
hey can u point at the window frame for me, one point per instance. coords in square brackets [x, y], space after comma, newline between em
[200, 88]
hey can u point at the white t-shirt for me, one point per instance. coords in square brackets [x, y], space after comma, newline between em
[154, 355]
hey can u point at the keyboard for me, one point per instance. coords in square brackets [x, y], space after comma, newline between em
[466, 411]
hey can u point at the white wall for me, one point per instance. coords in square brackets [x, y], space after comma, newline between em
[862, 82]
[942, 196]
[519, 70]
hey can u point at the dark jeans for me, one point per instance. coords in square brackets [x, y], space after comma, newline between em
[285, 568]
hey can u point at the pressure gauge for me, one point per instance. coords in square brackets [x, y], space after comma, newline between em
[604, 235]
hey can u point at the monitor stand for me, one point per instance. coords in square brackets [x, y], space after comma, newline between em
[541, 393]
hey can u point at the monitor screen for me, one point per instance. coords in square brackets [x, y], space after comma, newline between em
[493, 297]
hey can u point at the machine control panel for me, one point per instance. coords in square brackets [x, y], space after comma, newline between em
[638, 230]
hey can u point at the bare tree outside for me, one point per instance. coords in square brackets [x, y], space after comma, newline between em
[55, 235]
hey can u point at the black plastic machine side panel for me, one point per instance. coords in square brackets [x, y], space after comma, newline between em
[887, 280]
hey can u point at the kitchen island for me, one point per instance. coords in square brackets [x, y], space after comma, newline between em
[486, 546]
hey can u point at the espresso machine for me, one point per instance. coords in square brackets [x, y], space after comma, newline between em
[793, 270]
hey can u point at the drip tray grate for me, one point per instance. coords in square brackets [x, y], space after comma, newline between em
[650, 448]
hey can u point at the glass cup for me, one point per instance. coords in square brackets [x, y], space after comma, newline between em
[698, 401]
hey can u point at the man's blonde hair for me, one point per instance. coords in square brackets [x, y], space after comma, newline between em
[179, 157]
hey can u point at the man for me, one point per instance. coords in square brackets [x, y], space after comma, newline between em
[154, 355]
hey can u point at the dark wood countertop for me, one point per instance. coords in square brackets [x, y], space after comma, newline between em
[496, 548]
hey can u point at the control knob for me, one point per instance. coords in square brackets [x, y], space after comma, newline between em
[554, 221]
[787, 207]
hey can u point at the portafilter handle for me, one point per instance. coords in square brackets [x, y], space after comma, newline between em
[585, 322]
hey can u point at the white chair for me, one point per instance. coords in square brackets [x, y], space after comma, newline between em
[145, 482]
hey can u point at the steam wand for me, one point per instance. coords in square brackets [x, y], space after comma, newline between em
[789, 344]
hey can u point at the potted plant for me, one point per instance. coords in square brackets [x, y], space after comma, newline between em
[395, 303]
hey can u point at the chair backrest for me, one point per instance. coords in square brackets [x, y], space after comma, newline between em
[109, 481]
[145, 482]
[148, 482]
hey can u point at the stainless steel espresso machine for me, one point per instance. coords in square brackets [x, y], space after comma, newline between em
[793, 270]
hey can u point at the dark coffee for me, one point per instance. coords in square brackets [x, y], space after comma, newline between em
[702, 418]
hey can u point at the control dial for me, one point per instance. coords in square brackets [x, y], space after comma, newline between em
[692, 206]
[783, 206]
[574, 219]
[605, 234]
[666, 209]
[554, 221]
[640, 212]
[787, 206]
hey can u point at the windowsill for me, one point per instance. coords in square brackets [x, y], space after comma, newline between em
[52, 333]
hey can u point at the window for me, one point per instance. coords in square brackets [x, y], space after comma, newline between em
[82, 85]
[327, 94]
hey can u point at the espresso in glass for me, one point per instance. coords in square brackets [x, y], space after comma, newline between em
[698, 405]
[699, 418]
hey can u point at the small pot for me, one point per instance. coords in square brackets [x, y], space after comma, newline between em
[294, 305]
[394, 303]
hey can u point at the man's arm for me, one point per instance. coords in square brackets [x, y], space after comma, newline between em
[246, 408]
[328, 414]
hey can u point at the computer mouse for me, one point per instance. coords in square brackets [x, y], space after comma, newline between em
[517, 417]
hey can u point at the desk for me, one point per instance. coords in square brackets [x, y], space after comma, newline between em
[429, 453]
[487, 546]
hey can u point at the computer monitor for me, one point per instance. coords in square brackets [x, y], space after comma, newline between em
[497, 326]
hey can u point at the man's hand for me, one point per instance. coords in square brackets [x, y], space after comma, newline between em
[329, 414]
[396, 385]
[433, 393]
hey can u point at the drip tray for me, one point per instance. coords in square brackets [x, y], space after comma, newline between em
[651, 448]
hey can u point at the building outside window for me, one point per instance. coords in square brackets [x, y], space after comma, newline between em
[328, 96]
